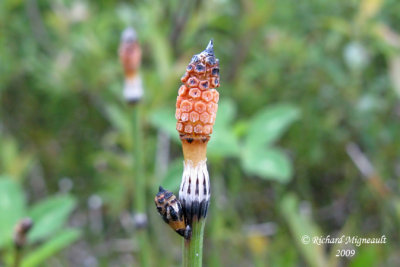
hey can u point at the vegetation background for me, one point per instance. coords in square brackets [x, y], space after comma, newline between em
[306, 141]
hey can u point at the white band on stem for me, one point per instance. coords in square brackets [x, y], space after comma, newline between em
[133, 89]
[194, 192]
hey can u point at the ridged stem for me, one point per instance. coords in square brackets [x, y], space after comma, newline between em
[194, 153]
[140, 187]
[193, 247]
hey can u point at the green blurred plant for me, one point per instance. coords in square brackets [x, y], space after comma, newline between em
[13, 162]
[48, 235]
[339, 66]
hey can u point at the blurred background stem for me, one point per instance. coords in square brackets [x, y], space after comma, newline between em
[193, 247]
[139, 199]
[17, 257]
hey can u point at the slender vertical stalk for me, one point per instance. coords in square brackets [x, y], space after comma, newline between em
[193, 247]
[139, 198]
[139, 187]
[130, 55]
[17, 257]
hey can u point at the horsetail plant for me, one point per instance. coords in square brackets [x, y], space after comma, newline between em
[196, 109]
[130, 55]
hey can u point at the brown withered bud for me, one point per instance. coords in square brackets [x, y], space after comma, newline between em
[20, 232]
[130, 55]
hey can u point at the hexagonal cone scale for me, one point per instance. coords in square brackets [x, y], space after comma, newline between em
[197, 103]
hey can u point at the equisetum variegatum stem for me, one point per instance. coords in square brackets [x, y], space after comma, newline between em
[196, 109]
[130, 55]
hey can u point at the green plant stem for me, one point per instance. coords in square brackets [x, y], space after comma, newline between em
[193, 247]
[139, 188]
[17, 257]
[139, 200]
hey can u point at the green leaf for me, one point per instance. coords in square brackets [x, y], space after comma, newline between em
[268, 164]
[269, 124]
[225, 114]
[223, 143]
[173, 177]
[301, 225]
[49, 216]
[60, 241]
[164, 118]
[12, 207]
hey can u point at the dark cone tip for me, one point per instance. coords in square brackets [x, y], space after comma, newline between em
[210, 48]
[161, 189]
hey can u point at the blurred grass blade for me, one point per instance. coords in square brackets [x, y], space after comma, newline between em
[301, 225]
[164, 118]
[62, 240]
[118, 118]
[12, 207]
[49, 216]
[394, 72]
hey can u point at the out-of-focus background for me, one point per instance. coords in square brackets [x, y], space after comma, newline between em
[306, 142]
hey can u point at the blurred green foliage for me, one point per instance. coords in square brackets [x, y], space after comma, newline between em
[49, 217]
[300, 81]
